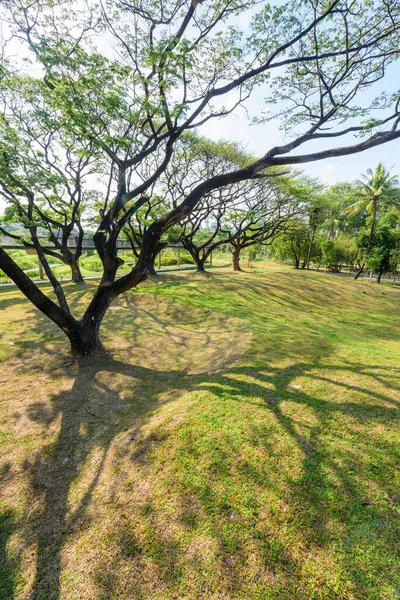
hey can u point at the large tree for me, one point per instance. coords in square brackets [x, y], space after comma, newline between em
[171, 67]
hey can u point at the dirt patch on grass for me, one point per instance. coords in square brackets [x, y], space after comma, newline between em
[64, 426]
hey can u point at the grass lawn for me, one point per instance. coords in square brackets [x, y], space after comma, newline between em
[241, 443]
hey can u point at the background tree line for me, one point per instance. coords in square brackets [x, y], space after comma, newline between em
[353, 224]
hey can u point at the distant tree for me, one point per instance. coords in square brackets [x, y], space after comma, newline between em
[43, 169]
[338, 251]
[242, 215]
[378, 190]
[339, 197]
[384, 244]
[317, 212]
[263, 215]
[293, 243]
[137, 225]
[207, 227]
[298, 242]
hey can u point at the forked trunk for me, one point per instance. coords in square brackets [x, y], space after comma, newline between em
[200, 261]
[195, 254]
[84, 335]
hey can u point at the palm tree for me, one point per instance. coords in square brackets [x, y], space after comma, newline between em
[378, 189]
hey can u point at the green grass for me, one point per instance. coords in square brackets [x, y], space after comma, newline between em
[242, 443]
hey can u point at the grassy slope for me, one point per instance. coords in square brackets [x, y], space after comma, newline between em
[251, 451]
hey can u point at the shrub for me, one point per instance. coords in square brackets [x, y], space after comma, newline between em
[91, 263]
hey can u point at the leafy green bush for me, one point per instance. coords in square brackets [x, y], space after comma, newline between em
[64, 272]
[23, 259]
[91, 263]
[168, 260]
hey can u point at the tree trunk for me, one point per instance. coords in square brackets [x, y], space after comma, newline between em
[236, 258]
[361, 269]
[309, 249]
[378, 280]
[151, 270]
[369, 245]
[201, 261]
[84, 335]
[85, 340]
[195, 254]
[200, 265]
[196, 257]
[76, 272]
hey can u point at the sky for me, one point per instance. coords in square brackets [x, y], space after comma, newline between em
[258, 139]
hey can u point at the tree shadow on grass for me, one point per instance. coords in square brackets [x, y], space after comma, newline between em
[7, 566]
[326, 494]
[91, 414]
[94, 411]
[107, 397]
[332, 490]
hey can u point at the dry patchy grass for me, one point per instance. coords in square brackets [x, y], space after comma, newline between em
[241, 443]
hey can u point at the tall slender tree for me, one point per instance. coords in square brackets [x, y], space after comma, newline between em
[378, 190]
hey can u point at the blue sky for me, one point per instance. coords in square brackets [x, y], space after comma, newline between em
[258, 139]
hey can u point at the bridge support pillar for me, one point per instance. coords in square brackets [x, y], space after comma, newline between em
[41, 274]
